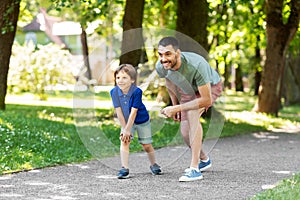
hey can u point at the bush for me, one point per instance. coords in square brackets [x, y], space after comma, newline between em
[32, 70]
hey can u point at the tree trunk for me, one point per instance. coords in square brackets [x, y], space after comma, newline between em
[257, 80]
[85, 53]
[227, 73]
[279, 36]
[239, 85]
[192, 21]
[132, 41]
[9, 13]
[291, 89]
[257, 60]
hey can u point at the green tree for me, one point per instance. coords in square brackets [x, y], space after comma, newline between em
[132, 41]
[9, 13]
[282, 19]
[192, 21]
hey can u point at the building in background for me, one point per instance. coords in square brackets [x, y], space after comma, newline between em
[45, 29]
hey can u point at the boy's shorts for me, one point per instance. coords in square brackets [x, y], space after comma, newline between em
[143, 131]
[216, 91]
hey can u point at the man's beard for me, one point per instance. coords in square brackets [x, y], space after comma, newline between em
[175, 63]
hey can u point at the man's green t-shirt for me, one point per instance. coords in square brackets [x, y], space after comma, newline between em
[193, 72]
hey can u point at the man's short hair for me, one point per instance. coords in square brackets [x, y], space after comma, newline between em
[169, 41]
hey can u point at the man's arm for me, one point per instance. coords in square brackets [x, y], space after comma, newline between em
[204, 101]
[172, 92]
[173, 95]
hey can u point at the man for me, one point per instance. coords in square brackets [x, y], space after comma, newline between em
[193, 87]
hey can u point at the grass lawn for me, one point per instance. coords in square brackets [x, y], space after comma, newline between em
[286, 189]
[34, 136]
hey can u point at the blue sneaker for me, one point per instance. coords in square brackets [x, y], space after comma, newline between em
[204, 165]
[191, 175]
[155, 169]
[123, 173]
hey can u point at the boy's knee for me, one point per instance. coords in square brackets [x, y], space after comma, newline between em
[147, 147]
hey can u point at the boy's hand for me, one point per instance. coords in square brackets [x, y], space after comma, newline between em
[125, 137]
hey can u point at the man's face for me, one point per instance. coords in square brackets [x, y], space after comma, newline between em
[168, 57]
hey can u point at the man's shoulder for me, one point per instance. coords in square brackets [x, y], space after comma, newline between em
[160, 70]
[158, 64]
[191, 55]
[194, 59]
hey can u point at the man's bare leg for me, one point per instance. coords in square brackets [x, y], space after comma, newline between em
[195, 136]
[184, 127]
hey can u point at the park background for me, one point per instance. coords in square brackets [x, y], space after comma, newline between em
[48, 47]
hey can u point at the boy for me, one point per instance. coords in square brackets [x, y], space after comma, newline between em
[132, 115]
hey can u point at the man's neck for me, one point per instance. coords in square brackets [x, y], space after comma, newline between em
[178, 65]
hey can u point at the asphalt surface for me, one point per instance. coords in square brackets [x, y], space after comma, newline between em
[242, 167]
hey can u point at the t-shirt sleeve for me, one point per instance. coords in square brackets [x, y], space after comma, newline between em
[137, 98]
[203, 74]
[115, 98]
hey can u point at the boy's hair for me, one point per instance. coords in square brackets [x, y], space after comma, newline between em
[128, 69]
[169, 41]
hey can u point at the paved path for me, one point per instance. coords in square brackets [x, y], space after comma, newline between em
[242, 166]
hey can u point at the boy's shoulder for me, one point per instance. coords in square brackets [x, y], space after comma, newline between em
[114, 89]
[136, 89]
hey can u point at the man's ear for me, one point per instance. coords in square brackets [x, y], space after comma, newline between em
[178, 52]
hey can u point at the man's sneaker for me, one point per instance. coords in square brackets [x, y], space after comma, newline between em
[204, 165]
[191, 175]
[123, 173]
[155, 169]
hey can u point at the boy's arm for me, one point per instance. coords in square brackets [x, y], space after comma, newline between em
[130, 121]
[125, 138]
[120, 117]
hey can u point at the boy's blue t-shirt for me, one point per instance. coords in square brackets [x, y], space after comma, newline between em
[132, 99]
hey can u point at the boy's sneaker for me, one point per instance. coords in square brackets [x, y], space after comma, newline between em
[204, 165]
[201, 165]
[155, 169]
[123, 173]
[191, 175]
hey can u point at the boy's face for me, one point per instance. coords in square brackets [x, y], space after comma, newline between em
[124, 81]
[168, 57]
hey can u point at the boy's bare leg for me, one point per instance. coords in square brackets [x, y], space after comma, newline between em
[124, 152]
[150, 151]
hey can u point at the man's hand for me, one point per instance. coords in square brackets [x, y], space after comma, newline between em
[169, 111]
